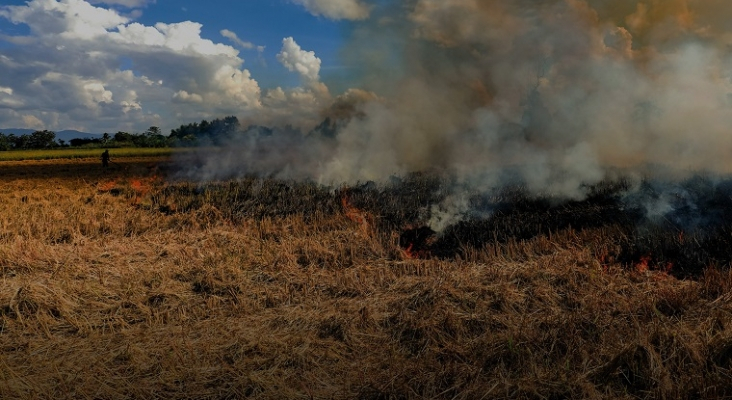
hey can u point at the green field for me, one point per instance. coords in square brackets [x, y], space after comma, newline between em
[20, 155]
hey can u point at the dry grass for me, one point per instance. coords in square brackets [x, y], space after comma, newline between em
[115, 284]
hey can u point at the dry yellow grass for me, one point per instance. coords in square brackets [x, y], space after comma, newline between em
[104, 296]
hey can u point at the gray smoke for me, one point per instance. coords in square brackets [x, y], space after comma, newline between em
[553, 95]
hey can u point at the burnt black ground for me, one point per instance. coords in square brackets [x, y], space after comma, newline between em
[683, 226]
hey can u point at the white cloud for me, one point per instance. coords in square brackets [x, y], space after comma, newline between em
[337, 9]
[128, 106]
[183, 37]
[182, 96]
[7, 99]
[67, 73]
[96, 93]
[72, 19]
[298, 60]
[70, 64]
[32, 122]
[70, 95]
[238, 85]
[125, 3]
[241, 43]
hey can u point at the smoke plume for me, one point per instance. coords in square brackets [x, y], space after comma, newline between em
[554, 95]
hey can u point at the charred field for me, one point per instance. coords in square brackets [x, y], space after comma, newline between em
[126, 284]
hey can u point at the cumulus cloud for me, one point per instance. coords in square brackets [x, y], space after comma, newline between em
[182, 96]
[69, 66]
[295, 59]
[90, 67]
[337, 9]
[183, 37]
[72, 19]
[237, 85]
[300, 106]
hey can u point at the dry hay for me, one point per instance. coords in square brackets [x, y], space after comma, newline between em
[111, 295]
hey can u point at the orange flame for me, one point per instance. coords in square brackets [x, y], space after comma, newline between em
[354, 213]
[142, 187]
[417, 243]
[644, 264]
[106, 187]
[660, 272]
[413, 254]
[409, 253]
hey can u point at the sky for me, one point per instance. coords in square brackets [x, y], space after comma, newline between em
[111, 65]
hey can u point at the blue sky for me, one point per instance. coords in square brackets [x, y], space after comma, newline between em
[65, 64]
[262, 23]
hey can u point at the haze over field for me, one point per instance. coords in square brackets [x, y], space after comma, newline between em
[553, 93]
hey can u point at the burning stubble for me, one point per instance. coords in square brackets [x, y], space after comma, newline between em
[552, 95]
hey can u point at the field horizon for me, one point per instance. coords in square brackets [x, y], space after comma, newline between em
[121, 283]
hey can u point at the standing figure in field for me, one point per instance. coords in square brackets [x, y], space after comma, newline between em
[105, 159]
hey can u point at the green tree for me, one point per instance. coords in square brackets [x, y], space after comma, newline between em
[123, 138]
[152, 137]
[217, 131]
[19, 142]
[42, 140]
[5, 142]
[153, 130]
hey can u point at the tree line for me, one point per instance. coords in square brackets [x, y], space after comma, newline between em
[227, 130]
[45, 139]
[216, 132]
[36, 140]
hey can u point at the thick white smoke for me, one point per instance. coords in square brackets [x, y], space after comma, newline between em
[553, 94]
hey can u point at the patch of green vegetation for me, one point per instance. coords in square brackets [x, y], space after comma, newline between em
[49, 154]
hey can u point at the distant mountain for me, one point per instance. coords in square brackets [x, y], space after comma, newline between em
[17, 131]
[64, 135]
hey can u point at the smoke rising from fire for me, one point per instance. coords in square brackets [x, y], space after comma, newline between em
[553, 95]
